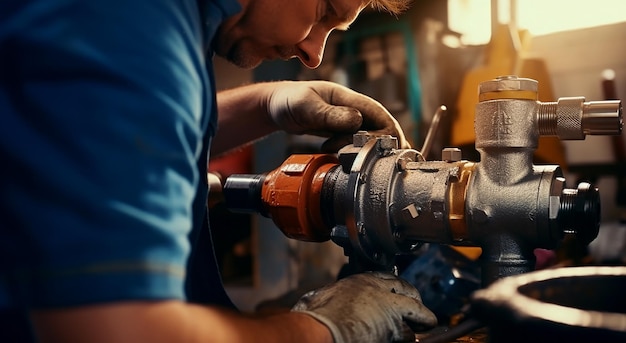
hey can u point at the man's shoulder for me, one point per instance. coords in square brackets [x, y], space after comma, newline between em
[229, 7]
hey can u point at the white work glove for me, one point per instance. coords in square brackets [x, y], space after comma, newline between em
[328, 109]
[368, 307]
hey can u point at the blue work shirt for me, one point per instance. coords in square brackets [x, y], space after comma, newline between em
[107, 109]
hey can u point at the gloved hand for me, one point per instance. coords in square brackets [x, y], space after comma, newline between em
[368, 307]
[328, 109]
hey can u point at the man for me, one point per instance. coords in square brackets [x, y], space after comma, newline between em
[108, 109]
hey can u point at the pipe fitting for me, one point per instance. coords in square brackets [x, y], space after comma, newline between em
[508, 87]
[376, 200]
[572, 118]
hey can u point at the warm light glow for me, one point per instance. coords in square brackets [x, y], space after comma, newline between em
[472, 18]
[542, 17]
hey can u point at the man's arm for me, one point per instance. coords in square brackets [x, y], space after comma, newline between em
[172, 321]
[243, 117]
[319, 108]
[366, 307]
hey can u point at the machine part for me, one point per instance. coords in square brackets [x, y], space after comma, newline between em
[619, 145]
[290, 195]
[381, 201]
[573, 304]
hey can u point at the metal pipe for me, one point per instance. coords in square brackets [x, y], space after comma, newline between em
[376, 200]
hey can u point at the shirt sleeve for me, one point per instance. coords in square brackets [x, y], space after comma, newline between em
[103, 109]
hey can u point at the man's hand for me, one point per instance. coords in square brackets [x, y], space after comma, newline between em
[368, 307]
[328, 109]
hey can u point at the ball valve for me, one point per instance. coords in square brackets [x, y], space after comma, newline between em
[377, 201]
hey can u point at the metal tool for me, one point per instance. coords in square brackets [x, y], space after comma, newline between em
[377, 201]
[432, 130]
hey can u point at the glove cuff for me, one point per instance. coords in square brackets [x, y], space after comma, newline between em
[334, 330]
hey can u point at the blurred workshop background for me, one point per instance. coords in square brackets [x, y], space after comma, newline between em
[436, 54]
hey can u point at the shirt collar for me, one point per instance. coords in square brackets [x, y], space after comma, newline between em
[213, 13]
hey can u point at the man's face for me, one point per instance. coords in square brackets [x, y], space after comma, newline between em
[283, 29]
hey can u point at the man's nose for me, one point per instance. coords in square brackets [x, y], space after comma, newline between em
[311, 50]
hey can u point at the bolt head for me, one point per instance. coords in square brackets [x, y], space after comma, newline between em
[451, 154]
[360, 138]
[387, 142]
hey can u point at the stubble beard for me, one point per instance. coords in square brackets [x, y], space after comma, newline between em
[239, 57]
[246, 57]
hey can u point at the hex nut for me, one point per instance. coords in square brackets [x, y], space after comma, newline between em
[508, 83]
